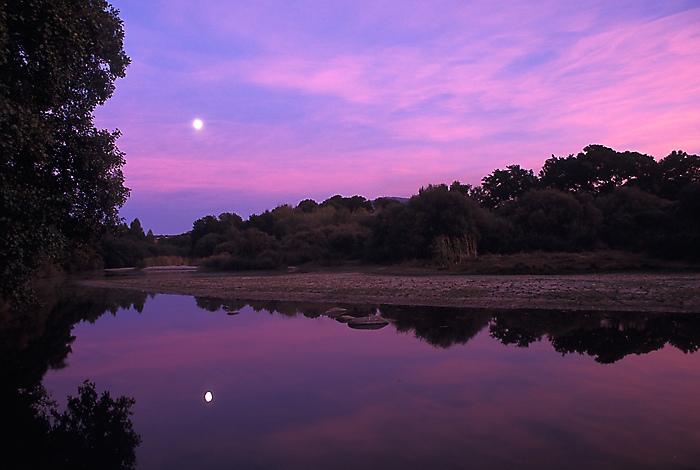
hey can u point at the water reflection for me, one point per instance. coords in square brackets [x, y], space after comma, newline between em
[297, 388]
[606, 336]
[94, 431]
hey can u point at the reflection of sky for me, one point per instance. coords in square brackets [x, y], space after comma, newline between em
[313, 393]
[311, 99]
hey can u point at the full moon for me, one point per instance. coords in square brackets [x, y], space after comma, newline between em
[197, 124]
[208, 397]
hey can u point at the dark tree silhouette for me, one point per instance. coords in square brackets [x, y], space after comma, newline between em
[599, 170]
[60, 178]
[678, 170]
[505, 185]
[553, 220]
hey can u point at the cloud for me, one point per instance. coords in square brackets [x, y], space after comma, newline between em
[306, 97]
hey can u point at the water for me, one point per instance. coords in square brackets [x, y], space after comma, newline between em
[436, 388]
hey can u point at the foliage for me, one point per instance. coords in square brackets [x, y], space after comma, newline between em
[599, 170]
[634, 220]
[95, 431]
[677, 171]
[60, 181]
[552, 220]
[505, 185]
[598, 199]
[128, 246]
[33, 434]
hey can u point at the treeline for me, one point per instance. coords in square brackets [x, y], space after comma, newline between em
[598, 199]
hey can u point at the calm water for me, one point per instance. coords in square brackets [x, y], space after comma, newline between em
[436, 388]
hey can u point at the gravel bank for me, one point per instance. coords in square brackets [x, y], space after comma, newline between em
[621, 292]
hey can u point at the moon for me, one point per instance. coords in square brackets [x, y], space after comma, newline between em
[208, 397]
[197, 124]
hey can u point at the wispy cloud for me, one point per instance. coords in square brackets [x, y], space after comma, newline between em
[311, 97]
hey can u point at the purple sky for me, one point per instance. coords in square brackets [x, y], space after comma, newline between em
[307, 99]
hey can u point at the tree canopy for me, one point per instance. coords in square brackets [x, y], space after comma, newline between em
[61, 183]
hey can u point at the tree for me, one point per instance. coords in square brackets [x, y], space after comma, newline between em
[505, 185]
[599, 170]
[405, 231]
[136, 231]
[307, 206]
[634, 220]
[552, 220]
[352, 204]
[678, 170]
[61, 183]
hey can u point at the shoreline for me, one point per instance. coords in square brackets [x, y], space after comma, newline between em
[641, 292]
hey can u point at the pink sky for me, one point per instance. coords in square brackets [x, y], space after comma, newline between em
[310, 99]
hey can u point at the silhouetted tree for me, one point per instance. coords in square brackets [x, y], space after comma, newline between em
[307, 206]
[205, 226]
[599, 170]
[206, 245]
[678, 170]
[352, 204]
[231, 220]
[136, 231]
[462, 188]
[404, 232]
[552, 220]
[505, 185]
[61, 182]
[383, 202]
[634, 220]
[264, 222]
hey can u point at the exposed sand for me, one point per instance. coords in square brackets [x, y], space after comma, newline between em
[630, 292]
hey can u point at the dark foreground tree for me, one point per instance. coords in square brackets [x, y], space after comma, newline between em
[61, 183]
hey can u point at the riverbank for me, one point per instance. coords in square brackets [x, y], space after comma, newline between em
[655, 292]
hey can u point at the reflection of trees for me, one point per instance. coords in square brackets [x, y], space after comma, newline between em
[609, 336]
[33, 341]
[93, 432]
[439, 326]
[288, 309]
[32, 434]
[523, 327]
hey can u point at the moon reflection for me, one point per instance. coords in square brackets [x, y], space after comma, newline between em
[208, 397]
[197, 123]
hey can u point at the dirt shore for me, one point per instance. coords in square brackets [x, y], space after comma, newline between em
[617, 292]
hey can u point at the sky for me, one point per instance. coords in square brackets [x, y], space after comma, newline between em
[309, 99]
